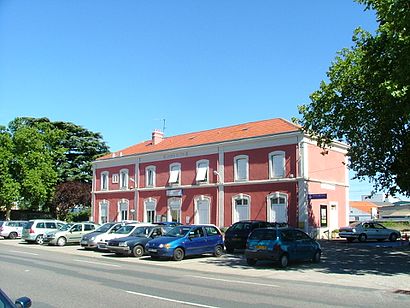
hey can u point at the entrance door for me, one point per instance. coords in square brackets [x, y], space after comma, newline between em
[203, 211]
[174, 210]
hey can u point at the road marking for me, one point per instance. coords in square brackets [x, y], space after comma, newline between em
[27, 253]
[170, 300]
[98, 263]
[235, 281]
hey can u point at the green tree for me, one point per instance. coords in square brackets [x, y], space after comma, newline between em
[9, 187]
[366, 100]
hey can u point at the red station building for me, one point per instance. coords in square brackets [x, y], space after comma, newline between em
[268, 170]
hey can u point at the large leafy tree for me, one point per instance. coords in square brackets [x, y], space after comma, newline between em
[366, 100]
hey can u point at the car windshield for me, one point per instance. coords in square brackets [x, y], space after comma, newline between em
[355, 224]
[65, 227]
[124, 229]
[104, 228]
[263, 234]
[178, 231]
[141, 231]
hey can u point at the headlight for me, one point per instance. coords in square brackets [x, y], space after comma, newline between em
[92, 238]
[353, 230]
[161, 246]
[122, 244]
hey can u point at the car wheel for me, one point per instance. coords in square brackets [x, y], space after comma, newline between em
[12, 235]
[393, 237]
[350, 239]
[61, 241]
[178, 254]
[362, 237]
[283, 261]
[229, 249]
[251, 261]
[218, 251]
[40, 240]
[316, 257]
[138, 251]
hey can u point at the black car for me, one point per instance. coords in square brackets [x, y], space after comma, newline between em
[134, 244]
[237, 234]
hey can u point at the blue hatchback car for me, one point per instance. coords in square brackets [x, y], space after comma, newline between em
[186, 240]
[281, 245]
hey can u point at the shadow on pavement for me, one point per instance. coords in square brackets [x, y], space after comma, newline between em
[339, 257]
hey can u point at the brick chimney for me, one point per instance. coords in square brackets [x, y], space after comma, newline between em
[157, 136]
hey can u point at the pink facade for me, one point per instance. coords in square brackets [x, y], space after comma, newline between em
[268, 178]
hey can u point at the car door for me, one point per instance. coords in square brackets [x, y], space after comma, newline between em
[213, 238]
[287, 238]
[304, 247]
[75, 233]
[380, 231]
[196, 243]
[370, 231]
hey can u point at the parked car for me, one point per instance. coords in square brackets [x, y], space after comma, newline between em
[281, 245]
[187, 240]
[237, 234]
[34, 230]
[134, 244]
[69, 234]
[11, 229]
[6, 302]
[168, 223]
[124, 231]
[368, 230]
[90, 240]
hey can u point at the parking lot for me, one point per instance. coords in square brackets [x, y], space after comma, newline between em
[384, 266]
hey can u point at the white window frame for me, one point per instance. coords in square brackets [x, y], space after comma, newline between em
[115, 178]
[149, 169]
[124, 180]
[236, 171]
[202, 174]
[269, 205]
[106, 175]
[169, 208]
[240, 197]
[146, 201]
[174, 171]
[100, 204]
[273, 156]
[196, 211]
[120, 211]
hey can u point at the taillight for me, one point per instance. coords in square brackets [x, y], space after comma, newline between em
[32, 231]
[276, 247]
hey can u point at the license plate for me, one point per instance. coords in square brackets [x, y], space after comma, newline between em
[260, 247]
[152, 250]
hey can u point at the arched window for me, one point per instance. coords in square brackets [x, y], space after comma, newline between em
[124, 179]
[104, 211]
[202, 210]
[241, 168]
[277, 207]
[150, 176]
[150, 205]
[241, 205]
[104, 180]
[123, 208]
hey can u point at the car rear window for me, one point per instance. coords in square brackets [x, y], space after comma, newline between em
[263, 234]
[28, 225]
[241, 226]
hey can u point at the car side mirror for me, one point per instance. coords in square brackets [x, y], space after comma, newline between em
[23, 302]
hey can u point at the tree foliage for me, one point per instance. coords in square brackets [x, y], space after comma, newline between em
[366, 100]
[37, 154]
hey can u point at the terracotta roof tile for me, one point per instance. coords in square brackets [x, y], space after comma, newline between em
[364, 206]
[230, 133]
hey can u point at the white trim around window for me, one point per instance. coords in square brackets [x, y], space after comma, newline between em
[150, 206]
[123, 209]
[174, 174]
[104, 180]
[277, 209]
[150, 176]
[104, 211]
[124, 179]
[277, 164]
[202, 171]
[241, 207]
[241, 168]
[202, 212]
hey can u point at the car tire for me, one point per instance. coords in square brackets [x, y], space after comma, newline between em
[178, 254]
[218, 250]
[229, 249]
[316, 257]
[362, 237]
[393, 237]
[350, 239]
[40, 239]
[284, 261]
[12, 235]
[250, 261]
[138, 251]
[61, 241]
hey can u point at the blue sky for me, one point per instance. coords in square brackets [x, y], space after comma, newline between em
[121, 67]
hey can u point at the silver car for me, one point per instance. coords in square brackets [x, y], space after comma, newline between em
[368, 230]
[71, 234]
[90, 240]
[34, 230]
[11, 228]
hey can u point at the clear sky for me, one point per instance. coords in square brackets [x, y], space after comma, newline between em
[119, 67]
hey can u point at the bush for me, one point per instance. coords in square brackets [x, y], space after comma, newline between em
[78, 216]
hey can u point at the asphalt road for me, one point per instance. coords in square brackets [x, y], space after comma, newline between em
[350, 275]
